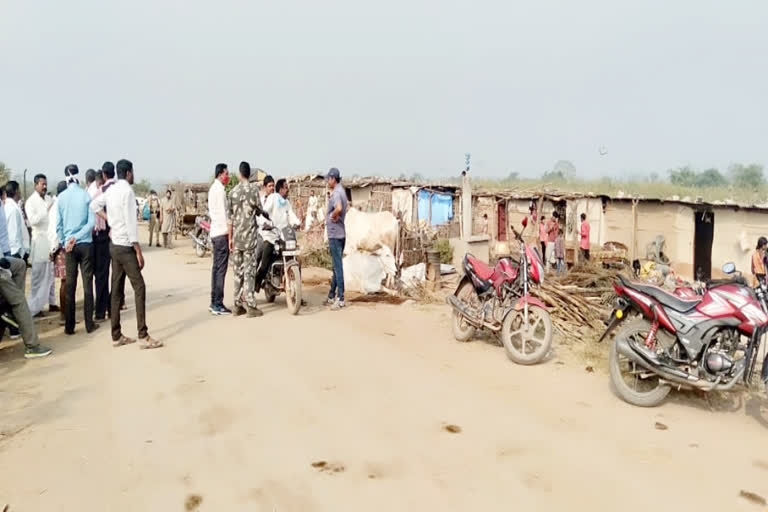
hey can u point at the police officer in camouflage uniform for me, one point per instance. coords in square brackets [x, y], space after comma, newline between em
[244, 207]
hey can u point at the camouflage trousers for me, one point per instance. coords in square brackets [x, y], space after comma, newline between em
[244, 265]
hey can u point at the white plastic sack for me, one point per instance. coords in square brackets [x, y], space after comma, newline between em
[370, 232]
[417, 274]
[365, 272]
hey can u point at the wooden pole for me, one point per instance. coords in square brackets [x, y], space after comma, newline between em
[634, 229]
[506, 223]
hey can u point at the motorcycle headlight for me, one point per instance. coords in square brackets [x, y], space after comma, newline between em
[290, 245]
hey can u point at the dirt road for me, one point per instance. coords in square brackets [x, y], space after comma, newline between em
[235, 411]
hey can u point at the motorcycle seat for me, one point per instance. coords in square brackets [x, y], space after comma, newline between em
[480, 269]
[663, 297]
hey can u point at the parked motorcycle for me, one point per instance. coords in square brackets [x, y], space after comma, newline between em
[498, 299]
[201, 235]
[709, 342]
[284, 274]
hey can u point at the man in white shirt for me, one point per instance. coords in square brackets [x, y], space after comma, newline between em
[127, 258]
[18, 235]
[311, 207]
[37, 209]
[101, 256]
[217, 211]
[267, 188]
[280, 211]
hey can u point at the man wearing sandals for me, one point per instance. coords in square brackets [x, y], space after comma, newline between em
[127, 259]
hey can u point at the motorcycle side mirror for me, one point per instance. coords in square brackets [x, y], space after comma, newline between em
[525, 221]
[729, 268]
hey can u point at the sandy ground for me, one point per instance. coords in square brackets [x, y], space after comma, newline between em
[233, 412]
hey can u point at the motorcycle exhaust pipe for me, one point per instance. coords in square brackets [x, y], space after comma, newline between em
[462, 308]
[196, 240]
[737, 377]
[650, 362]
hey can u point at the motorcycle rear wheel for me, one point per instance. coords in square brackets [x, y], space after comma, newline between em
[536, 335]
[269, 294]
[293, 289]
[462, 330]
[646, 392]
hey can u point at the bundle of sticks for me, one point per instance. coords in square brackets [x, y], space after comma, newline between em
[579, 301]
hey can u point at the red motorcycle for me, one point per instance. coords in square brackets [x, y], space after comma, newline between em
[498, 299]
[709, 342]
[201, 235]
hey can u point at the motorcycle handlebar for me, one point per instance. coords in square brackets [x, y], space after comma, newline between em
[734, 280]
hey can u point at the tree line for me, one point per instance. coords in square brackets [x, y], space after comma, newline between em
[738, 175]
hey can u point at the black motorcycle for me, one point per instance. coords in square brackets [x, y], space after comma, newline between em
[284, 275]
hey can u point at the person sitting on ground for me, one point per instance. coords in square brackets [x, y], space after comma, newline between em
[281, 214]
[13, 295]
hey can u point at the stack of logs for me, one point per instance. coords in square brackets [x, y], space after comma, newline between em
[580, 301]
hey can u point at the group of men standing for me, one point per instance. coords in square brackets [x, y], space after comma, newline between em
[162, 218]
[81, 231]
[246, 224]
[552, 240]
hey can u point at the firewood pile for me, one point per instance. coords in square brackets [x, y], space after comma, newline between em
[580, 301]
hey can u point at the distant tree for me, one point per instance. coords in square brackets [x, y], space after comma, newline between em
[683, 176]
[747, 176]
[654, 177]
[711, 178]
[417, 177]
[565, 168]
[512, 176]
[142, 188]
[553, 175]
[5, 173]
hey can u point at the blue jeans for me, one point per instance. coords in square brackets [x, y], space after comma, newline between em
[336, 246]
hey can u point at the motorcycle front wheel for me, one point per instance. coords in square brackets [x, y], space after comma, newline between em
[633, 383]
[293, 289]
[527, 343]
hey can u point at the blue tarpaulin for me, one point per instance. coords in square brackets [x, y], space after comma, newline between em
[439, 205]
[442, 209]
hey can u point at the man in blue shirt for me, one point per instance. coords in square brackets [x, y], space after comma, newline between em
[337, 235]
[74, 229]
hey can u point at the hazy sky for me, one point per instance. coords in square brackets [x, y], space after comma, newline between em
[383, 87]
